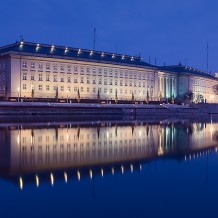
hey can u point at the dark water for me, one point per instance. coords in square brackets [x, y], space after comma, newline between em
[159, 168]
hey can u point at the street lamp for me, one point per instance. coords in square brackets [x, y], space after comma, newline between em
[18, 96]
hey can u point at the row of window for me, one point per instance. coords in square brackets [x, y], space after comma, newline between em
[111, 81]
[88, 89]
[81, 69]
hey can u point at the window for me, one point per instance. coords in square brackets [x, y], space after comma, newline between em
[55, 79]
[105, 81]
[62, 77]
[68, 88]
[47, 77]
[47, 66]
[24, 76]
[68, 79]
[82, 89]
[88, 80]
[68, 68]
[55, 88]
[75, 79]
[75, 68]
[62, 67]
[111, 81]
[94, 90]
[32, 65]
[81, 79]
[40, 66]
[105, 90]
[87, 70]
[115, 82]
[24, 64]
[99, 70]
[94, 82]
[40, 77]
[75, 89]
[24, 86]
[81, 69]
[40, 87]
[32, 77]
[55, 67]
[99, 81]
[88, 89]
[111, 91]
[47, 87]
[93, 70]
[121, 82]
[62, 88]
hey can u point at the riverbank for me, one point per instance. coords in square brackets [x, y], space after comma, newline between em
[38, 108]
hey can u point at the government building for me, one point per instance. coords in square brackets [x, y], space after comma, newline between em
[41, 71]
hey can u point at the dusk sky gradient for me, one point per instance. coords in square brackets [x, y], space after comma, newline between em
[170, 30]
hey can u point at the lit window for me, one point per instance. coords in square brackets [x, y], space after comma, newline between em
[47, 77]
[55, 67]
[24, 76]
[24, 64]
[55, 79]
[40, 66]
[40, 77]
[68, 79]
[32, 65]
[47, 66]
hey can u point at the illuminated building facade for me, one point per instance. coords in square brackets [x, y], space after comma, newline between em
[30, 70]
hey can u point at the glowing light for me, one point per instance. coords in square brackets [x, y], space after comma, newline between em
[91, 53]
[65, 177]
[37, 181]
[37, 47]
[123, 57]
[113, 56]
[90, 174]
[131, 168]
[18, 139]
[78, 175]
[21, 183]
[102, 172]
[52, 179]
[102, 54]
[52, 48]
[79, 51]
[122, 169]
[140, 167]
[132, 58]
[66, 50]
[21, 44]
[112, 170]
[185, 157]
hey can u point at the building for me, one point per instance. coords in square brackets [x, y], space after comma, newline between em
[41, 71]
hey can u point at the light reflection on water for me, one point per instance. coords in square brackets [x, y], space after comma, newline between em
[35, 155]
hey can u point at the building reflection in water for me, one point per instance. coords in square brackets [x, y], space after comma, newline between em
[48, 152]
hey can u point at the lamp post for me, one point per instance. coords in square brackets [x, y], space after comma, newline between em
[18, 94]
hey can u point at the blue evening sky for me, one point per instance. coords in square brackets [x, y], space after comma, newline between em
[170, 30]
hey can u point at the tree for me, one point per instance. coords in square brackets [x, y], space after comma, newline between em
[173, 99]
[98, 96]
[189, 96]
[32, 93]
[116, 97]
[147, 98]
[133, 98]
[215, 89]
[78, 96]
[56, 94]
[160, 96]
